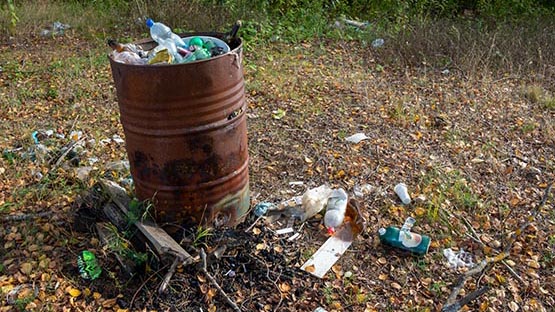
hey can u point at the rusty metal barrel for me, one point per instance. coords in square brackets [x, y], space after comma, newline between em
[186, 136]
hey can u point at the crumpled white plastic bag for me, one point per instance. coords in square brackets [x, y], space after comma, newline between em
[458, 259]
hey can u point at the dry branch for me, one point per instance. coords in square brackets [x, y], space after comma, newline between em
[215, 283]
[452, 304]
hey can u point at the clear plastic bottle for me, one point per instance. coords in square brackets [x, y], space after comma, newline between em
[164, 36]
[336, 208]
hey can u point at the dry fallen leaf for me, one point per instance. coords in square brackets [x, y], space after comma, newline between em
[26, 268]
[284, 287]
[534, 264]
[513, 306]
[74, 292]
[419, 211]
[395, 285]
[310, 268]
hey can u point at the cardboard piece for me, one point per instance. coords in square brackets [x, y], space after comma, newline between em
[326, 256]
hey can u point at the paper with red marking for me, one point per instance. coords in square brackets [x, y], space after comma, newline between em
[325, 257]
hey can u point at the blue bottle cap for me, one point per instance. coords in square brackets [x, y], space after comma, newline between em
[149, 22]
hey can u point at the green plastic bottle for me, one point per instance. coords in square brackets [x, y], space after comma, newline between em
[88, 266]
[404, 239]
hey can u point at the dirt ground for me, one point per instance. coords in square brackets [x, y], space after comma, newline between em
[477, 155]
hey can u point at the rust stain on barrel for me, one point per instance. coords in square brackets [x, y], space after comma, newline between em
[186, 137]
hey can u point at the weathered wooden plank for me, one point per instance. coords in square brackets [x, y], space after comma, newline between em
[159, 239]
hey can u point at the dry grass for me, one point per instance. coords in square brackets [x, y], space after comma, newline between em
[478, 49]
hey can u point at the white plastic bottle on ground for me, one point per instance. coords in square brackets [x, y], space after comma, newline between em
[336, 208]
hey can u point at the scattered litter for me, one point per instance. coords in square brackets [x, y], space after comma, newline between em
[335, 210]
[284, 231]
[445, 71]
[320, 309]
[404, 239]
[294, 237]
[88, 265]
[292, 202]
[230, 273]
[296, 183]
[402, 191]
[460, 259]
[117, 139]
[13, 295]
[76, 135]
[362, 190]
[356, 24]
[127, 181]
[356, 138]
[314, 200]
[326, 256]
[41, 135]
[92, 160]
[119, 165]
[56, 29]
[377, 43]
[261, 208]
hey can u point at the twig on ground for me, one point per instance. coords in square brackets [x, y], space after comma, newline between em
[475, 236]
[452, 303]
[27, 216]
[513, 272]
[167, 278]
[253, 224]
[215, 283]
[275, 284]
[144, 283]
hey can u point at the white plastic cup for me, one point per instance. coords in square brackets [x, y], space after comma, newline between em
[401, 191]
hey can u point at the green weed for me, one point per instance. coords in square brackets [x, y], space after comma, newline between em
[201, 235]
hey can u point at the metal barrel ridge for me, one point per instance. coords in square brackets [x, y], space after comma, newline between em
[186, 137]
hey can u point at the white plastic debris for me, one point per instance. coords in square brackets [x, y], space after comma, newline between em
[356, 138]
[284, 231]
[378, 43]
[117, 139]
[362, 190]
[314, 200]
[403, 193]
[326, 256]
[460, 259]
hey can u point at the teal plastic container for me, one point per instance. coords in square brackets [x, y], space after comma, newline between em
[405, 240]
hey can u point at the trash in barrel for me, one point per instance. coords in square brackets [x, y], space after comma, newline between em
[186, 135]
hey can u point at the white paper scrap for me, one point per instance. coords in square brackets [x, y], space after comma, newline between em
[284, 231]
[356, 138]
[326, 256]
[294, 237]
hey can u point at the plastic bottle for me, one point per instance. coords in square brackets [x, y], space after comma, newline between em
[164, 36]
[404, 239]
[335, 211]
